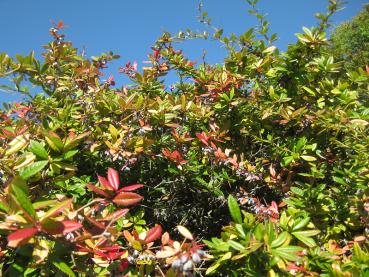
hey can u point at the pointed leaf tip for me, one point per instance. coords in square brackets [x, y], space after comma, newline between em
[113, 178]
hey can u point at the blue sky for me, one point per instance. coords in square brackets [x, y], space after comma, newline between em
[129, 28]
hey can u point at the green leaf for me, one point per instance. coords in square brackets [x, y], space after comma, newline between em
[212, 268]
[287, 160]
[63, 267]
[240, 230]
[234, 209]
[54, 141]
[288, 252]
[70, 154]
[65, 166]
[308, 158]
[18, 191]
[259, 231]
[297, 191]
[307, 233]
[236, 245]
[304, 236]
[301, 224]
[280, 240]
[4, 206]
[306, 240]
[38, 149]
[43, 204]
[32, 169]
[309, 90]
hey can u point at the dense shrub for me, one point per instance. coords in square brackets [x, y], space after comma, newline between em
[275, 143]
[350, 40]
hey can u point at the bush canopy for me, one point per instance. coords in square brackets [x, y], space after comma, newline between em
[258, 166]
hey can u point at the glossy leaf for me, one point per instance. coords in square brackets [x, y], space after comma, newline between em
[127, 198]
[234, 209]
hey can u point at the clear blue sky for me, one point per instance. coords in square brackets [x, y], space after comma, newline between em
[129, 28]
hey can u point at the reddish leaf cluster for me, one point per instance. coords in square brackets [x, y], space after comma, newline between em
[111, 192]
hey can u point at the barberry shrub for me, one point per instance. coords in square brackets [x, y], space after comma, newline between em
[263, 157]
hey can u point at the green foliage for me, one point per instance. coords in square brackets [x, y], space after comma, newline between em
[276, 143]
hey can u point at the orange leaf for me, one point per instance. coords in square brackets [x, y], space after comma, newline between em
[127, 198]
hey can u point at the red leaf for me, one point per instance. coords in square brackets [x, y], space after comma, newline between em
[115, 255]
[131, 187]
[101, 254]
[127, 198]
[175, 156]
[113, 178]
[103, 181]
[204, 138]
[110, 80]
[20, 237]
[8, 133]
[153, 234]
[156, 53]
[97, 190]
[70, 226]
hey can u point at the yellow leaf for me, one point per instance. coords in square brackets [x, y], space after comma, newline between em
[308, 158]
[359, 122]
[185, 232]
[211, 268]
[165, 254]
